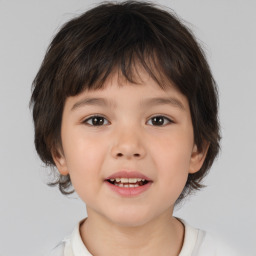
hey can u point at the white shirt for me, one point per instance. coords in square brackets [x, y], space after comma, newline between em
[196, 243]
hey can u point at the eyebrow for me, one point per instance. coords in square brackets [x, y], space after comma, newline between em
[92, 102]
[148, 102]
[164, 101]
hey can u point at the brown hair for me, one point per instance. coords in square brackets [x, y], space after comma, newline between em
[120, 36]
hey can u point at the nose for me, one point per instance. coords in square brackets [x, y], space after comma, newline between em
[128, 144]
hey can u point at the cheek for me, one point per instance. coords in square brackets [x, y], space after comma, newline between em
[81, 149]
[83, 158]
[172, 161]
[173, 153]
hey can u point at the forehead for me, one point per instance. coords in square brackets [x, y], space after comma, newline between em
[136, 75]
[145, 92]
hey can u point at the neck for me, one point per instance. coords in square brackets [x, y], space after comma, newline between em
[161, 236]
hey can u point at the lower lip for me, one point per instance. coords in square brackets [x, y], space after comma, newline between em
[129, 192]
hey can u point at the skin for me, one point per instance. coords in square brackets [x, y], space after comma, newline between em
[129, 139]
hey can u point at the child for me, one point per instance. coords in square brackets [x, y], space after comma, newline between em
[125, 106]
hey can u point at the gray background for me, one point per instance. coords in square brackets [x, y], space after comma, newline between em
[34, 217]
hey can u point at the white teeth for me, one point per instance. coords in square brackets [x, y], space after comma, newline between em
[127, 180]
[133, 186]
[127, 185]
[124, 180]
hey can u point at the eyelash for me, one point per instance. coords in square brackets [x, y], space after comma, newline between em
[164, 118]
[89, 121]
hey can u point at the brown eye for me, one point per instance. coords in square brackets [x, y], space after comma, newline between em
[96, 121]
[159, 121]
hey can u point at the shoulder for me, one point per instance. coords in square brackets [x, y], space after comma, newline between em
[58, 250]
[71, 245]
[62, 249]
[200, 243]
[219, 247]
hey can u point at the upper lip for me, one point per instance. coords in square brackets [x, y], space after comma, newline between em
[128, 174]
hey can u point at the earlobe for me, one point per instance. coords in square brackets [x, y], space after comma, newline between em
[198, 157]
[60, 162]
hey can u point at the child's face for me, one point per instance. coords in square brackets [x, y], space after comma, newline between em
[137, 128]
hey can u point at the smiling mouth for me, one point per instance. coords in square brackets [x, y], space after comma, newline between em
[128, 182]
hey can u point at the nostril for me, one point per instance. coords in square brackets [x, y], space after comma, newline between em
[120, 155]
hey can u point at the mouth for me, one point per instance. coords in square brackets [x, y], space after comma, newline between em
[128, 182]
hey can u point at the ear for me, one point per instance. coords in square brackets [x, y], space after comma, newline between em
[198, 157]
[60, 161]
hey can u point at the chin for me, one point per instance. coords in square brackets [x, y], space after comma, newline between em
[130, 218]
